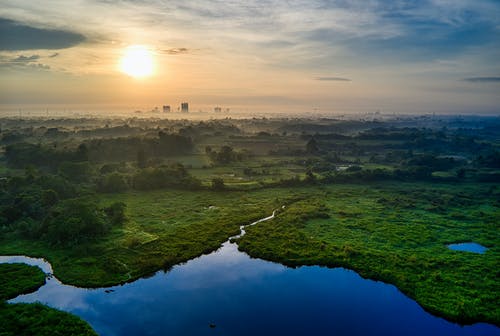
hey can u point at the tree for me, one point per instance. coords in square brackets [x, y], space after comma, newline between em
[312, 146]
[218, 184]
[460, 173]
[141, 158]
[114, 182]
[76, 171]
[310, 177]
[73, 221]
[116, 213]
[225, 154]
[49, 198]
[82, 153]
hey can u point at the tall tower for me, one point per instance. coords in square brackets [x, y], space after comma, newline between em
[185, 107]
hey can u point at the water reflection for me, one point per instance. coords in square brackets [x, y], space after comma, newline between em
[468, 247]
[245, 296]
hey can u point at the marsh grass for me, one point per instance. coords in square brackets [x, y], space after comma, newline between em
[163, 228]
[397, 233]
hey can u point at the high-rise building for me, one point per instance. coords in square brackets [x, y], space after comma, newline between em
[217, 109]
[166, 108]
[185, 107]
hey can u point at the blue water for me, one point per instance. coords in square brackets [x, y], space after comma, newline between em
[468, 247]
[245, 296]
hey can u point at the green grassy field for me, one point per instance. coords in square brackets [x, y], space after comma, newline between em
[163, 228]
[397, 233]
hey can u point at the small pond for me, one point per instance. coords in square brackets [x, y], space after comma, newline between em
[468, 247]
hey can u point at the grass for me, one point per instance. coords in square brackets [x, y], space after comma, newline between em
[397, 234]
[392, 232]
[164, 228]
[24, 319]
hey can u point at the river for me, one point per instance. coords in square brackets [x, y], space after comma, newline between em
[228, 293]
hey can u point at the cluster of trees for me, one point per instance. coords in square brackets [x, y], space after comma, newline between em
[21, 155]
[150, 178]
[165, 176]
[52, 209]
[75, 220]
[226, 155]
[432, 162]
[128, 148]
[490, 159]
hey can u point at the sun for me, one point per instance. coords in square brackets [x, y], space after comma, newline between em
[137, 61]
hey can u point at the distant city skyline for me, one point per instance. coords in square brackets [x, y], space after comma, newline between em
[434, 56]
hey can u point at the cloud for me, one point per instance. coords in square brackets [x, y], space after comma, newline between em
[18, 36]
[176, 51]
[25, 59]
[482, 79]
[39, 66]
[335, 79]
[23, 62]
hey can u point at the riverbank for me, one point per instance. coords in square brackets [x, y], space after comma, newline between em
[23, 319]
[397, 234]
[163, 228]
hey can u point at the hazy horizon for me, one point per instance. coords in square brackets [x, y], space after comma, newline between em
[335, 57]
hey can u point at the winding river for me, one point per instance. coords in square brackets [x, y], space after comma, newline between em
[228, 293]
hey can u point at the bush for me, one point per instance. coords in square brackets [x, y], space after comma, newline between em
[116, 213]
[114, 182]
[218, 184]
[76, 171]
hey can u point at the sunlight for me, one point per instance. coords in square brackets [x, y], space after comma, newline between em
[137, 62]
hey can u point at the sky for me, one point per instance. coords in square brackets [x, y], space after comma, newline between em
[432, 56]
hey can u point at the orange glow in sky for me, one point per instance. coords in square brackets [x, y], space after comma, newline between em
[137, 62]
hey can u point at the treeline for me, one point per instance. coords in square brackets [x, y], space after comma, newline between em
[226, 154]
[172, 176]
[414, 139]
[127, 149]
[21, 155]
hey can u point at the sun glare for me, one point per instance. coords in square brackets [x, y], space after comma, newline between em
[137, 62]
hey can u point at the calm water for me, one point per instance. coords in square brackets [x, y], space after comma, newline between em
[468, 247]
[244, 296]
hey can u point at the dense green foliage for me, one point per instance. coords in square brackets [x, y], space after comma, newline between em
[18, 279]
[108, 201]
[398, 234]
[75, 220]
[23, 319]
[163, 177]
[163, 228]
